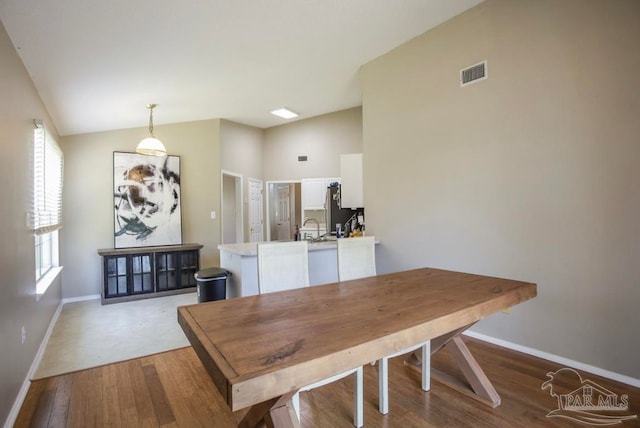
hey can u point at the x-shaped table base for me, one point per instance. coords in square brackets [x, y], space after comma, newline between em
[479, 387]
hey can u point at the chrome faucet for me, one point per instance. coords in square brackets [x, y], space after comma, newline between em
[317, 226]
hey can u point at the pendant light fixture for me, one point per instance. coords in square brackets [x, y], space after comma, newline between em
[151, 145]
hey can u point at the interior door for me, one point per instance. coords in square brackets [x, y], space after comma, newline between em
[255, 211]
[283, 213]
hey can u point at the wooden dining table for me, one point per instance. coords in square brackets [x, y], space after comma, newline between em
[260, 350]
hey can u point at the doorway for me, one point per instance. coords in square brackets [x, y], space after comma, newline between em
[256, 209]
[283, 209]
[231, 216]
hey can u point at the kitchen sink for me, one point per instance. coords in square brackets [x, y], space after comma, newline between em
[323, 238]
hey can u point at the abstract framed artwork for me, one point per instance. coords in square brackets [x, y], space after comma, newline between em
[146, 200]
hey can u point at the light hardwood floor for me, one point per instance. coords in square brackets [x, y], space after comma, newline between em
[173, 389]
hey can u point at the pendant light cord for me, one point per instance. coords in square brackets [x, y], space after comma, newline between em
[151, 107]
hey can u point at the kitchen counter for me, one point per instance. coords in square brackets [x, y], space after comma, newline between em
[242, 261]
[251, 248]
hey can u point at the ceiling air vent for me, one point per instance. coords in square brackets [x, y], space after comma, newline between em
[473, 74]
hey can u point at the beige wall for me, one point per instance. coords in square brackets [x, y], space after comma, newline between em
[241, 152]
[88, 191]
[323, 139]
[19, 105]
[229, 210]
[205, 147]
[532, 174]
[271, 154]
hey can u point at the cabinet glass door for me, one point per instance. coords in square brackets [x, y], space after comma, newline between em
[115, 276]
[166, 271]
[141, 274]
[188, 268]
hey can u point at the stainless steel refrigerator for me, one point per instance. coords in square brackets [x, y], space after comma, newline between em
[333, 213]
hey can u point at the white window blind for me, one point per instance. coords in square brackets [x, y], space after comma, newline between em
[47, 182]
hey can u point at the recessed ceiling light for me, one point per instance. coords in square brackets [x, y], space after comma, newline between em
[284, 113]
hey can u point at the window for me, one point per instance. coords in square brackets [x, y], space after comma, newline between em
[46, 215]
[46, 253]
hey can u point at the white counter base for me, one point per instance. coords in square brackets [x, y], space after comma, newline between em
[242, 261]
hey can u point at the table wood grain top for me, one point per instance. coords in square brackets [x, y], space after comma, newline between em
[259, 347]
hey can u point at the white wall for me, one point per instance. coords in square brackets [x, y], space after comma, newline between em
[88, 195]
[532, 174]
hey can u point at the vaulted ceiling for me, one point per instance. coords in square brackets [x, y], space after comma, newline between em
[96, 64]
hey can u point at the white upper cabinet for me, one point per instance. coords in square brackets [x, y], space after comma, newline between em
[351, 174]
[313, 191]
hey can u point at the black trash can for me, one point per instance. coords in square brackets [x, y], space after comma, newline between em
[212, 284]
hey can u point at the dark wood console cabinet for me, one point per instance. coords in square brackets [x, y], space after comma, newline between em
[139, 273]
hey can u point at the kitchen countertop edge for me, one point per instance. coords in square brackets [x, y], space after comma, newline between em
[251, 249]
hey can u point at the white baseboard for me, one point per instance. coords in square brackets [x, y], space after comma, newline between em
[628, 380]
[80, 298]
[17, 404]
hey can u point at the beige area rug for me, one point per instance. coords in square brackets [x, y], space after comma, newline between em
[88, 334]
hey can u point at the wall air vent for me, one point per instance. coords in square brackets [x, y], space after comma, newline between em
[474, 73]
